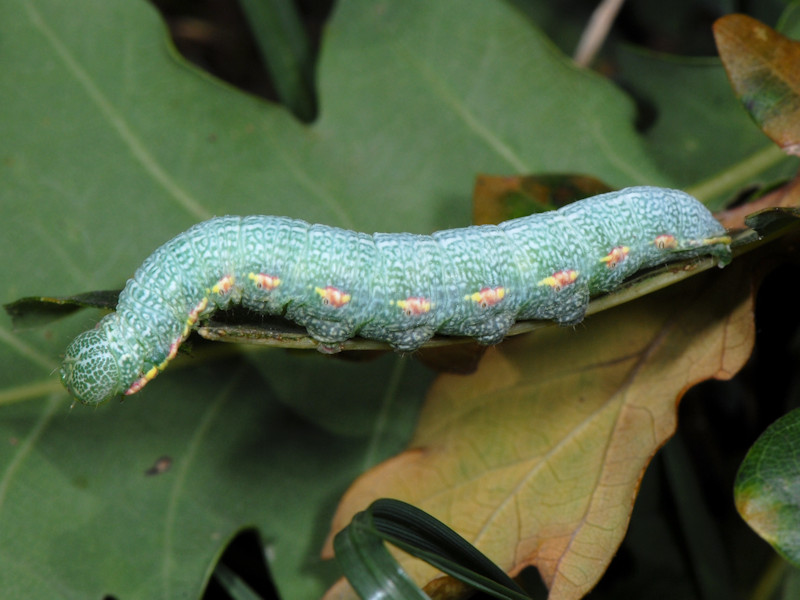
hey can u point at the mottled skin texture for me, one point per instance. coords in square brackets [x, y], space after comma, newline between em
[399, 288]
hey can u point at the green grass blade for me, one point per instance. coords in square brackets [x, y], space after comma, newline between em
[422, 536]
[369, 567]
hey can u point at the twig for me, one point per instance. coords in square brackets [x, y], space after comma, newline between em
[596, 31]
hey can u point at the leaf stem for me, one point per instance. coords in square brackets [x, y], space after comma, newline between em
[734, 177]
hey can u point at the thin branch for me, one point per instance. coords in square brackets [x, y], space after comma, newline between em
[596, 31]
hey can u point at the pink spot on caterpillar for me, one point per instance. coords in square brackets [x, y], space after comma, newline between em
[263, 281]
[560, 279]
[665, 241]
[487, 296]
[224, 285]
[173, 350]
[414, 305]
[333, 296]
[616, 256]
[194, 314]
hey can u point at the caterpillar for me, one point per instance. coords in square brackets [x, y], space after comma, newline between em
[397, 288]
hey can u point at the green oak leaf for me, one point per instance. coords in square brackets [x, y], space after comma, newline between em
[767, 488]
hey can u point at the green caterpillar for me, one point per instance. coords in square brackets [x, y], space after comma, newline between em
[397, 288]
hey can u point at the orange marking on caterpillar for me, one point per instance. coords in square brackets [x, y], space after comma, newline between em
[224, 285]
[414, 305]
[487, 296]
[560, 279]
[333, 296]
[616, 256]
[263, 281]
[665, 241]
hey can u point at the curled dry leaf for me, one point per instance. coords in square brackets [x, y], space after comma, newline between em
[764, 69]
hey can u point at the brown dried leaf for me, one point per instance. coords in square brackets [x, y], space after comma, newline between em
[537, 457]
[785, 196]
[498, 198]
[764, 69]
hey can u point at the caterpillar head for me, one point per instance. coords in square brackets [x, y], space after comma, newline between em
[89, 371]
